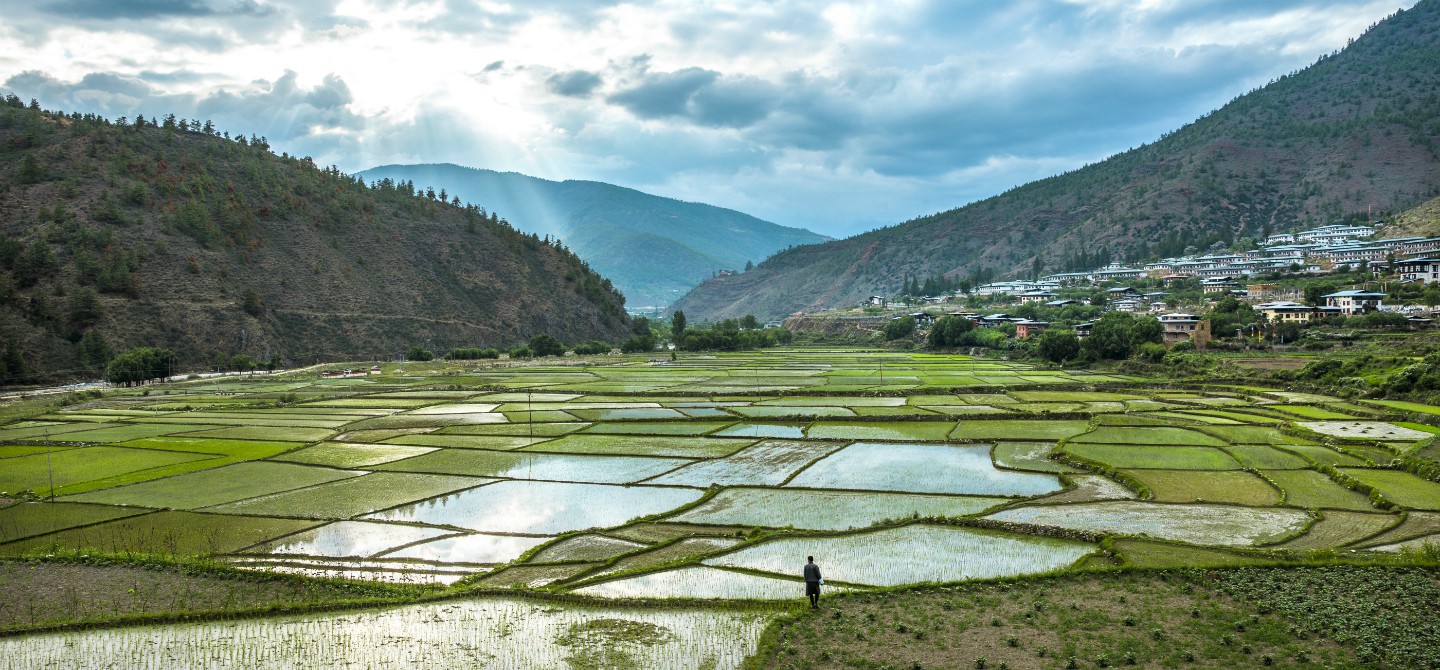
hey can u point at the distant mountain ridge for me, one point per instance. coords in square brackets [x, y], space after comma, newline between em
[116, 234]
[653, 248]
[1357, 132]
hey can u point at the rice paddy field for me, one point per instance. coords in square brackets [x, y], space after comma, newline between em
[596, 513]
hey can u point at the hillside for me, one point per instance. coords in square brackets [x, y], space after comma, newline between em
[1357, 131]
[1420, 220]
[655, 249]
[173, 235]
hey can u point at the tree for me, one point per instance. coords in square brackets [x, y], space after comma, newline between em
[12, 366]
[677, 325]
[30, 170]
[1314, 295]
[251, 303]
[84, 308]
[948, 331]
[1058, 345]
[546, 345]
[93, 351]
[418, 353]
[900, 327]
[1110, 337]
[749, 322]
[140, 364]
[749, 266]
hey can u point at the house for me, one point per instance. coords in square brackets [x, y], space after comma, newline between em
[1175, 278]
[1082, 330]
[1293, 312]
[1354, 301]
[1218, 285]
[992, 320]
[1024, 329]
[922, 319]
[1122, 292]
[875, 301]
[1185, 327]
[1257, 292]
[1061, 303]
[1423, 270]
[1036, 296]
[1125, 305]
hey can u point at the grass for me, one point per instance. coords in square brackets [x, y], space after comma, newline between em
[165, 533]
[217, 486]
[1264, 457]
[348, 456]
[1337, 528]
[1128, 456]
[1402, 488]
[1025, 429]
[1105, 620]
[57, 593]
[30, 519]
[1167, 436]
[1308, 488]
[930, 431]
[77, 470]
[1240, 488]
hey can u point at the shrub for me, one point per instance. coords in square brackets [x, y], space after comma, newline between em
[472, 354]
[592, 348]
[521, 351]
[419, 354]
[900, 327]
[546, 345]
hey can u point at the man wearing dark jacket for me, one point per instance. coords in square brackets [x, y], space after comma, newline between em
[812, 582]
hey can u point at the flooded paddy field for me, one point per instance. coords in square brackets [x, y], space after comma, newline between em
[705, 479]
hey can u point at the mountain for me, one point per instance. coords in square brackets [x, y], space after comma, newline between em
[653, 248]
[172, 235]
[1356, 132]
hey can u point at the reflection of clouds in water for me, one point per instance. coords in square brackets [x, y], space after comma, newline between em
[921, 468]
[479, 548]
[542, 507]
[354, 538]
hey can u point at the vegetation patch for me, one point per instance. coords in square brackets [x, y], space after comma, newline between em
[1097, 620]
[1129, 456]
[1240, 488]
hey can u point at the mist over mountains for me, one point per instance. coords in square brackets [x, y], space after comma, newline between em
[654, 249]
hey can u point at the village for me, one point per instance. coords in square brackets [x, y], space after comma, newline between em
[1289, 281]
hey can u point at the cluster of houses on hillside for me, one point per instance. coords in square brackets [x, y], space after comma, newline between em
[1319, 250]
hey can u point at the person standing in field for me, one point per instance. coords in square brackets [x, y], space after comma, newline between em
[813, 580]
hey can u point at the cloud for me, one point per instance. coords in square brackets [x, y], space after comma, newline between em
[831, 115]
[663, 94]
[574, 84]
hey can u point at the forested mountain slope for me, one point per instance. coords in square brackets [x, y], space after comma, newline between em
[174, 235]
[1357, 132]
[655, 249]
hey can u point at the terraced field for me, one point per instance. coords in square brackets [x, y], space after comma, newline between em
[713, 476]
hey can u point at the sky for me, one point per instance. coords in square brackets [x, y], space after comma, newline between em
[833, 116]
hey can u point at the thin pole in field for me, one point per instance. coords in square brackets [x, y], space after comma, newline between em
[49, 466]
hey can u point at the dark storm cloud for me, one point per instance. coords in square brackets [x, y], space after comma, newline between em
[573, 84]
[663, 94]
[150, 9]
